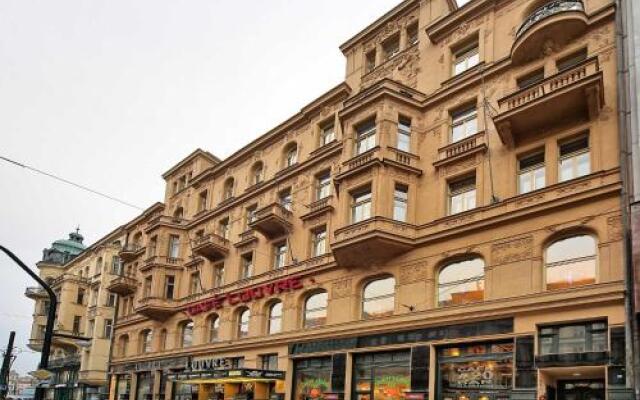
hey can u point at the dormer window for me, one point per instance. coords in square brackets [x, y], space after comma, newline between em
[391, 47]
[370, 61]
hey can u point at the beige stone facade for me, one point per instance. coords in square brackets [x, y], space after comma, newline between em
[444, 224]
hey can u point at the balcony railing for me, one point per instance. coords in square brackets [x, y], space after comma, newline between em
[548, 10]
[211, 246]
[403, 157]
[130, 251]
[165, 220]
[123, 284]
[461, 148]
[65, 361]
[272, 220]
[156, 307]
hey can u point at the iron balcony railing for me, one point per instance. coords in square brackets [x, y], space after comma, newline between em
[548, 10]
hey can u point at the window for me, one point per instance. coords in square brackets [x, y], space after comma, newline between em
[573, 338]
[174, 246]
[412, 34]
[530, 79]
[275, 318]
[269, 362]
[382, 375]
[464, 123]
[461, 282]
[92, 325]
[218, 275]
[279, 255]
[148, 284]
[571, 262]
[250, 214]
[80, 296]
[571, 60]
[327, 134]
[77, 321]
[108, 328]
[153, 245]
[378, 298]
[202, 200]
[574, 159]
[462, 195]
[237, 362]
[214, 328]
[466, 58]
[163, 339]
[111, 300]
[319, 241]
[194, 283]
[531, 174]
[98, 265]
[169, 286]
[391, 47]
[243, 323]
[246, 264]
[361, 206]
[223, 228]
[370, 61]
[312, 378]
[227, 191]
[257, 173]
[178, 214]
[365, 136]
[116, 267]
[123, 345]
[186, 334]
[323, 185]
[400, 199]
[315, 310]
[291, 155]
[286, 199]
[404, 134]
[146, 340]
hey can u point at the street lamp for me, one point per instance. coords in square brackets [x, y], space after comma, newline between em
[48, 332]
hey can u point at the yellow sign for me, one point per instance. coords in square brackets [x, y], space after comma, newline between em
[41, 374]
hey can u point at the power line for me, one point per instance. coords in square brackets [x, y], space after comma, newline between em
[68, 182]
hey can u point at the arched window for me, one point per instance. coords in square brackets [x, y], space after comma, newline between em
[275, 318]
[257, 173]
[290, 155]
[123, 344]
[570, 262]
[163, 339]
[243, 323]
[227, 192]
[378, 298]
[461, 282]
[186, 334]
[315, 310]
[146, 338]
[214, 328]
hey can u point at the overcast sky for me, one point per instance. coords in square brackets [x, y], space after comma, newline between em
[112, 93]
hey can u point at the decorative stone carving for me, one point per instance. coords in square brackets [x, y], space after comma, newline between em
[404, 68]
[341, 288]
[614, 228]
[512, 250]
[459, 166]
[413, 273]
[527, 201]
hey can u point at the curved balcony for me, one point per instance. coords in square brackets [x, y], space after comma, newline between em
[272, 221]
[130, 251]
[123, 285]
[212, 246]
[556, 22]
[157, 308]
[36, 292]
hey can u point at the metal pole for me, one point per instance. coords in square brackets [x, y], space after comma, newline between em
[6, 363]
[48, 332]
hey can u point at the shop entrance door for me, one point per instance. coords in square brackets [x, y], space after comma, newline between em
[581, 390]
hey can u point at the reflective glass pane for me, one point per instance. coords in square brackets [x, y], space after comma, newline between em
[571, 248]
[573, 274]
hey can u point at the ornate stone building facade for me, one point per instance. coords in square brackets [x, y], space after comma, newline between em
[444, 224]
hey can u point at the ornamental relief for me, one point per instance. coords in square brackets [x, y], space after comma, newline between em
[341, 289]
[614, 228]
[403, 68]
[413, 273]
[512, 251]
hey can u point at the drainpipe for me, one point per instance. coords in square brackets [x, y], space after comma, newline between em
[632, 359]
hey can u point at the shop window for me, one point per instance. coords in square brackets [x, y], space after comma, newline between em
[269, 362]
[185, 391]
[315, 310]
[123, 386]
[214, 328]
[243, 323]
[365, 136]
[257, 173]
[382, 376]
[571, 262]
[280, 255]
[361, 205]
[312, 378]
[531, 173]
[461, 282]
[571, 60]
[146, 340]
[462, 195]
[471, 371]
[464, 123]
[319, 241]
[227, 191]
[290, 155]
[378, 298]
[530, 79]
[574, 338]
[574, 159]
[466, 58]
[275, 318]
[327, 134]
[186, 334]
[323, 185]
[400, 200]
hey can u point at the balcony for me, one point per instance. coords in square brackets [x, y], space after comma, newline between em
[461, 149]
[318, 207]
[35, 293]
[67, 361]
[371, 242]
[246, 238]
[272, 221]
[122, 285]
[157, 308]
[161, 261]
[377, 156]
[558, 21]
[35, 344]
[574, 94]
[92, 377]
[212, 246]
[130, 252]
[165, 220]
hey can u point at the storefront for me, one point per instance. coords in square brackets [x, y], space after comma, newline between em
[151, 378]
[144, 386]
[382, 376]
[312, 378]
[123, 386]
[236, 384]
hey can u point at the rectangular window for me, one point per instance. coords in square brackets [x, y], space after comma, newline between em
[464, 123]
[466, 58]
[246, 267]
[327, 134]
[365, 137]
[77, 320]
[319, 241]
[115, 265]
[111, 300]
[218, 275]
[391, 47]
[250, 214]
[400, 199]
[153, 246]
[462, 195]
[323, 185]
[174, 246]
[575, 159]
[404, 134]
[571, 60]
[80, 296]
[531, 173]
[412, 34]
[237, 362]
[94, 297]
[223, 228]
[286, 200]
[202, 200]
[194, 283]
[279, 255]
[148, 282]
[531, 79]
[361, 206]
[169, 286]
[269, 362]
[108, 328]
[92, 325]
[574, 338]
[370, 61]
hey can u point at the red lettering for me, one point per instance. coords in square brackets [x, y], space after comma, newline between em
[295, 283]
[268, 289]
[234, 299]
[282, 286]
[245, 296]
[256, 293]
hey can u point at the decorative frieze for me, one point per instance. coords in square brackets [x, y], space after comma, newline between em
[512, 250]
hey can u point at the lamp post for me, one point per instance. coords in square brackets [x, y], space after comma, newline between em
[48, 332]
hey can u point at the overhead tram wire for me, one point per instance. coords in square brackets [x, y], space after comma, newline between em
[68, 182]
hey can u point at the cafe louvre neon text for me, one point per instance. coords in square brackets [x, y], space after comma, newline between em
[245, 296]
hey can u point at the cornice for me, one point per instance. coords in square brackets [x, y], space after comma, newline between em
[196, 153]
[445, 25]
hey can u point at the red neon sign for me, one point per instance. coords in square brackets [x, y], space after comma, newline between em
[246, 295]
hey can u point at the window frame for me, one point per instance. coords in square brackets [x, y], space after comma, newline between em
[365, 134]
[462, 55]
[365, 299]
[404, 131]
[271, 318]
[306, 310]
[571, 261]
[452, 194]
[531, 171]
[573, 157]
[463, 116]
[356, 204]
[458, 282]
[399, 202]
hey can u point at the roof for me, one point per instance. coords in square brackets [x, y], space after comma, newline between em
[195, 154]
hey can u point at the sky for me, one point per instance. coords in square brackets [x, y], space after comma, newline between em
[112, 93]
